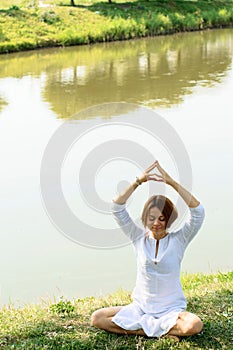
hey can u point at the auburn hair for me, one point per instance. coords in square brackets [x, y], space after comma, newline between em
[166, 207]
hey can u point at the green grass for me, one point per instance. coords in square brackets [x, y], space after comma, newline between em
[65, 324]
[24, 26]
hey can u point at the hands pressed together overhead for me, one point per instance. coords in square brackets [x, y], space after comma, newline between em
[149, 175]
[156, 173]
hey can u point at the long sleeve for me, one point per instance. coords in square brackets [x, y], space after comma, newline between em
[192, 226]
[125, 222]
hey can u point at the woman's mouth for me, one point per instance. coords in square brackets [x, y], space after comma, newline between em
[155, 228]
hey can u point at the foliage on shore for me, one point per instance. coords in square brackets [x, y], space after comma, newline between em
[65, 324]
[24, 25]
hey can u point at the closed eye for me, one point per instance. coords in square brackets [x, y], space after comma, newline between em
[161, 218]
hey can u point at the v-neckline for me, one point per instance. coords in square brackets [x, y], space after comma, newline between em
[157, 248]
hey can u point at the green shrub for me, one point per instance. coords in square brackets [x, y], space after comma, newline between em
[49, 17]
[158, 24]
[191, 22]
[2, 36]
[177, 20]
[62, 308]
[224, 16]
[14, 8]
[13, 11]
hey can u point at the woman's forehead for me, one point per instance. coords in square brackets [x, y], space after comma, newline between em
[155, 211]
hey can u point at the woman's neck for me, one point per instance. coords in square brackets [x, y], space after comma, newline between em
[159, 235]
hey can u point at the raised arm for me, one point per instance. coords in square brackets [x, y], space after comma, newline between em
[148, 175]
[189, 199]
[145, 176]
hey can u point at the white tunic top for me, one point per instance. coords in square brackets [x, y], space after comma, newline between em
[158, 290]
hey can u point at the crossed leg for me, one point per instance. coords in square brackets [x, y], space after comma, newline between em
[186, 324]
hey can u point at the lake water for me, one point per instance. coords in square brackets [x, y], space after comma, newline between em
[186, 79]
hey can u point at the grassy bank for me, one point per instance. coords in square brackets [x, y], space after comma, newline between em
[24, 25]
[65, 324]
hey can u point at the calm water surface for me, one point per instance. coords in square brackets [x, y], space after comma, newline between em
[187, 79]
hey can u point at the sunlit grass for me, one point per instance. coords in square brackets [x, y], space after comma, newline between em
[27, 26]
[65, 324]
[5, 4]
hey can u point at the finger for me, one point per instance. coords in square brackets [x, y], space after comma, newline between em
[156, 178]
[159, 167]
[151, 167]
[155, 174]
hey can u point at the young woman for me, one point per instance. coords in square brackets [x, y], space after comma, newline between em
[158, 306]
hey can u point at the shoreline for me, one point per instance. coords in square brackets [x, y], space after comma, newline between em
[29, 28]
[66, 324]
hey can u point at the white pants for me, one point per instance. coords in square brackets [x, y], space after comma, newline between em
[131, 317]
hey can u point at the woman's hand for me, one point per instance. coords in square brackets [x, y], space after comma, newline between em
[153, 176]
[163, 176]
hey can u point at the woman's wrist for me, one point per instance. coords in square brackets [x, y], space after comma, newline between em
[138, 181]
[172, 183]
[135, 184]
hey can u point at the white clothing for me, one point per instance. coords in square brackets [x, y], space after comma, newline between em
[157, 297]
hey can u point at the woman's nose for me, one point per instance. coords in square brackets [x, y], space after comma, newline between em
[155, 222]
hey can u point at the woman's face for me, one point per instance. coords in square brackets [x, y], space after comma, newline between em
[156, 221]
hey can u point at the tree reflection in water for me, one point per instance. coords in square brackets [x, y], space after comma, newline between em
[154, 72]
